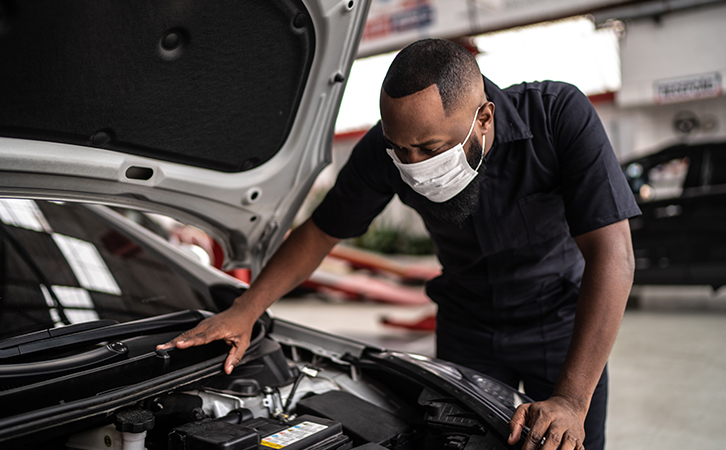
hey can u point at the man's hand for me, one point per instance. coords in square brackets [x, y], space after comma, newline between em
[294, 261]
[233, 326]
[557, 420]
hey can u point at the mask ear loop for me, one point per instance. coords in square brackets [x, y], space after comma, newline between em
[481, 159]
[482, 137]
[472, 126]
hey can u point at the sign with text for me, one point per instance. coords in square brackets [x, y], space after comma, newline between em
[697, 87]
[392, 24]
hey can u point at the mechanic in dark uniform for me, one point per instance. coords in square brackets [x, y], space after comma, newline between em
[528, 209]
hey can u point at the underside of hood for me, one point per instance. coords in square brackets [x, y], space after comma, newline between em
[217, 113]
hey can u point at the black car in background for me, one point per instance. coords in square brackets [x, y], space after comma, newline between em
[681, 236]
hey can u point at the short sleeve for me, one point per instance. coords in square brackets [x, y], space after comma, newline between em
[594, 188]
[361, 191]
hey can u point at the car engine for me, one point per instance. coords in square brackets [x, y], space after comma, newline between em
[104, 385]
[289, 398]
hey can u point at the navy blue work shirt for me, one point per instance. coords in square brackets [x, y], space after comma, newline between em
[550, 174]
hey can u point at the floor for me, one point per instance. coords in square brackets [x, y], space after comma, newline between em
[667, 370]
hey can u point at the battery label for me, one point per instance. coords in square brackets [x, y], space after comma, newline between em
[296, 433]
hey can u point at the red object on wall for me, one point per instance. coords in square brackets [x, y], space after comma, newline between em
[427, 323]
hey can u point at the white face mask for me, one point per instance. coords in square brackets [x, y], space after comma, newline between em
[443, 176]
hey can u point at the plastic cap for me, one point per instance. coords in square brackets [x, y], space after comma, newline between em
[134, 420]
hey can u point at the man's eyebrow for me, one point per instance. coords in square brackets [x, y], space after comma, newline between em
[428, 143]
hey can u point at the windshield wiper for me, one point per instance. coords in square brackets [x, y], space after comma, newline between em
[94, 332]
[54, 332]
[108, 353]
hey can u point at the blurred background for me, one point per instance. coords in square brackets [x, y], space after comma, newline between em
[653, 69]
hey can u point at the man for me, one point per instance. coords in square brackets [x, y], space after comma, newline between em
[528, 209]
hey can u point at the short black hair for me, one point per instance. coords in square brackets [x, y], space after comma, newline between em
[449, 66]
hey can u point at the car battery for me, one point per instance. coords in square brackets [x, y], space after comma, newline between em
[304, 433]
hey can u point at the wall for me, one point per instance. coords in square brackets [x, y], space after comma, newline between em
[675, 48]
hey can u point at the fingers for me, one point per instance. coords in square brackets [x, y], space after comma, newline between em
[570, 442]
[554, 440]
[196, 336]
[537, 432]
[231, 362]
[239, 345]
[234, 358]
[550, 429]
[519, 420]
[223, 326]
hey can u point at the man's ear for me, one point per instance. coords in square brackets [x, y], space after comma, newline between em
[486, 117]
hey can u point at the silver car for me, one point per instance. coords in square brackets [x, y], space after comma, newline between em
[220, 115]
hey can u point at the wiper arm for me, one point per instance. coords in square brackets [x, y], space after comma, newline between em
[54, 332]
[56, 339]
[37, 271]
[110, 352]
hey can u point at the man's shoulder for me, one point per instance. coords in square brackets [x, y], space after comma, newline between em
[545, 89]
[373, 137]
[552, 99]
[369, 155]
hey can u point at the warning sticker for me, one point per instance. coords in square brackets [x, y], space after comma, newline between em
[296, 433]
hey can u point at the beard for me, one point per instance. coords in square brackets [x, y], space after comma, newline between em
[458, 208]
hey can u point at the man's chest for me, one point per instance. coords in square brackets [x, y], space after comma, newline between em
[520, 202]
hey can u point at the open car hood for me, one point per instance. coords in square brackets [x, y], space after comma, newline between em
[219, 114]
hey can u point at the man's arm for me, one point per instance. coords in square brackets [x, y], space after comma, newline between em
[606, 284]
[294, 261]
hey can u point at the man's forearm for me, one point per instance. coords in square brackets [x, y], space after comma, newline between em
[294, 261]
[604, 292]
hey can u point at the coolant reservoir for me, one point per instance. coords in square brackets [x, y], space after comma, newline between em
[133, 423]
[106, 437]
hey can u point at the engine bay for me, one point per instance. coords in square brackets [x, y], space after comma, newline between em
[296, 389]
[294, 400]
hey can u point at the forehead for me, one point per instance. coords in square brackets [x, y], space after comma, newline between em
[418, 117]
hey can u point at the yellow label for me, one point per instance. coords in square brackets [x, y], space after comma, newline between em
[295, 433]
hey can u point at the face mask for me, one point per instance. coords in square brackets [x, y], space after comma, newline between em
[443, 176]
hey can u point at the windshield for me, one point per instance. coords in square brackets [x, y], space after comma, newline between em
[61, 264]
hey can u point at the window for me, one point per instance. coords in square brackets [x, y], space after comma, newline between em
[717, 167]
[665, 180]
[61, 264]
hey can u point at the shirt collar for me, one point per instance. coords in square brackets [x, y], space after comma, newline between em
[508, 124]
